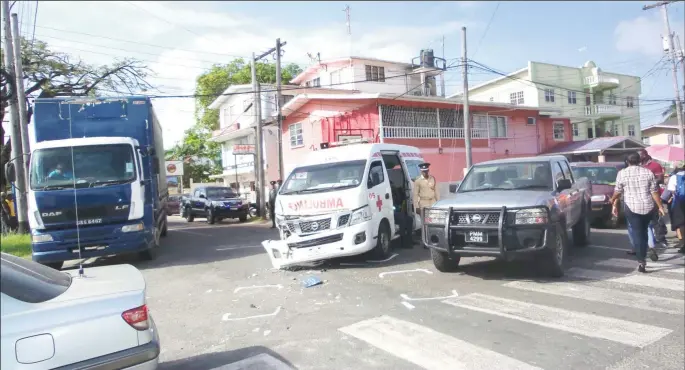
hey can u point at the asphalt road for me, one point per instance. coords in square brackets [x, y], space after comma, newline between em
[218, 304]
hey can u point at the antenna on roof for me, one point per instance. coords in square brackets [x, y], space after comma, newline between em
[349, 27]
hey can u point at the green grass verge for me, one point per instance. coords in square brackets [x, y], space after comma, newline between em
[16, 244]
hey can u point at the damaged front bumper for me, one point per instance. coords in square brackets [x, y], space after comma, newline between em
[347, 241]
[492, 232]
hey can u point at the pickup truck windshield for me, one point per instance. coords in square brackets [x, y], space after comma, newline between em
[508, 176]
[216, 193]
[321, 178]
[90, 166]
[597, 175]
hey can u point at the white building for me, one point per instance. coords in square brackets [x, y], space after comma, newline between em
[599, 103]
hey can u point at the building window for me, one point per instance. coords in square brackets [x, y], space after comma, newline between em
[630, 101]
[316, 82]
[673, 139]
[335, 77]
[559, 134]
[496, 126]
[645, 140]
[572, 97]
[576, 130]
[631, 130]
[614, 129]
[308, 84]
[492, 99]
[612, 99]
[588, 100]
[296, 139]
[530, 121]
[375, 73]
[516, 98]
[549, 95]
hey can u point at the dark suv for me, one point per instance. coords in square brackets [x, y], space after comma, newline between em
[214, 203]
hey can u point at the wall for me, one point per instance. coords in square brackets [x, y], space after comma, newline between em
[659, 136]
[499, 91]
[392, 85]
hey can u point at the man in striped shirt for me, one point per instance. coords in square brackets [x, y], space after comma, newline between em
[638, 186]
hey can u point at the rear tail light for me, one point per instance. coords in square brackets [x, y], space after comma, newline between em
[137, 318]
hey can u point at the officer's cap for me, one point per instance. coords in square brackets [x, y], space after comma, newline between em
[424, 166]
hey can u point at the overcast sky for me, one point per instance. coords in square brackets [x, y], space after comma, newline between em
[180, 40]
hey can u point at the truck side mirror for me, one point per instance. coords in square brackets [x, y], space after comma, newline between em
[155, 165]
[564, 184]
[10, 172]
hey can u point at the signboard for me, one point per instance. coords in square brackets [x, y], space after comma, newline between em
[174, 168]
[243, 149]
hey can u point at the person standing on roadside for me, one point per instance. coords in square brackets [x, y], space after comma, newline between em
[425, 190]
[675, 195]
[638, 186]
[272, 203]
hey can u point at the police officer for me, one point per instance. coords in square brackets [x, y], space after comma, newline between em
[425, 189]
[272, 202]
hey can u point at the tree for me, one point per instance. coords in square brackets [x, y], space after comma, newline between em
[49, 74]
[670, 112]
[209, 86]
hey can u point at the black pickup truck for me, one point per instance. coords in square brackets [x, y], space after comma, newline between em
[511, 208]
[214, 203]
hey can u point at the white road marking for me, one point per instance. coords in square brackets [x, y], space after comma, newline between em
[621, 331]
[368, 261]
[385, 260]
[408, 305]
[227, 317]
[193, 233]
[578, 272]
[234, 248]
[260, 361]
[609, 248]
[651, 266]
[610, 296]
[277, 286]
[427, 348]
[651, 282]
[672, 256]
[407, 298]
[403, 272]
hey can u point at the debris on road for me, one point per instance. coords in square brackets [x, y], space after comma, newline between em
[311, 281]
[408, 305]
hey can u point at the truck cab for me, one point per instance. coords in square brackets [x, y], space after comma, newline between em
[342, 201]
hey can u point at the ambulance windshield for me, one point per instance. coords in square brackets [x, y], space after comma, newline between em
[325, 177]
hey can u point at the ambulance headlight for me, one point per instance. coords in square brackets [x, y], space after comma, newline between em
[360, 215]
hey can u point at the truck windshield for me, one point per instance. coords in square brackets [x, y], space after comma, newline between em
[92, 165]
[597, 175]
[508, 176]
[324, 177]
[215, 193]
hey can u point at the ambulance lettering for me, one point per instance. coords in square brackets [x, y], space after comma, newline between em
[316, 204]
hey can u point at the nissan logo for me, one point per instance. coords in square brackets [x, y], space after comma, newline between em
[314, 226]
[476, 218]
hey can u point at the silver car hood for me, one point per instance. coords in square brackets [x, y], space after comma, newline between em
[496, 199]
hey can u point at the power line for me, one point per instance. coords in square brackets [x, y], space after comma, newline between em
[486, 28]
[35, 21]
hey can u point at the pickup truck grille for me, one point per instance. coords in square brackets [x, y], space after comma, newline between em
[475, 218]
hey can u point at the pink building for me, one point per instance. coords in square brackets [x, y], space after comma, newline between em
[433, 124]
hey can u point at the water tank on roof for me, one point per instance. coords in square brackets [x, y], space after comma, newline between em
[427, 58]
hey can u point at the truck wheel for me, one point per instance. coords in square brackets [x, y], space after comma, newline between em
[210, 216]
[55, 265]
[382, 249]
[150, 254]
[164, 228]
[555, 255]
[243, 218]
[581, 230]
[442, 261]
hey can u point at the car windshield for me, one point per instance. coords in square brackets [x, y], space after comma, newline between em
[82, 166]
[324, 177]
[29, 281]
[508, 176]
[221, 193]
[597, 175]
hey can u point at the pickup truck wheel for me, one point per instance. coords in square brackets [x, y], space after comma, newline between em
[442, 261]
[555, 256]
[243, 218]
[581, 230]
[210, 217]
[382, 249]
[55, 265]
[189, 215]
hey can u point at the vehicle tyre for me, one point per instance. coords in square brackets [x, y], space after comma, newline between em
[443, 262]
[253, 212]
[581, 230]
[382, 249]
[151, 253]
[243, 218]
[210, 216]
[55, 265]
[555, 256]
[189, 215]
[164, 228]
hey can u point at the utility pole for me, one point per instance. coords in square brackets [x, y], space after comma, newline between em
[17, 158]
[442, 75]
[671, 51]
[465, 101]
[279, 99]
[21, 96]
[259, 164]
[349, 28]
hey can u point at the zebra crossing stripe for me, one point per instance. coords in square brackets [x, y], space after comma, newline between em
[651, 282]
[652, 266]
[603, 295]
[428, 348]
[594, 326]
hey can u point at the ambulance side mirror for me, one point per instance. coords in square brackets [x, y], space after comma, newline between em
[453, 188]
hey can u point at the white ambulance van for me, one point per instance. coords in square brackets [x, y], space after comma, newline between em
[341, 200]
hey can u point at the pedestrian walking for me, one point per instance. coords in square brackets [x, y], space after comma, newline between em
[638, 187]
[272, 203]
[675, 194]
[425, 190]
[658, 171]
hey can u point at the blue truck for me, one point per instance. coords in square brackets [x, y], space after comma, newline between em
[95, 187]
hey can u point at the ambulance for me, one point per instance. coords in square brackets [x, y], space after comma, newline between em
[341, 201]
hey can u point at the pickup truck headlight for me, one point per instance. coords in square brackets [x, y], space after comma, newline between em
[41, 238]
[360, 215]
[435, 216]
[598, 198]
[132, 228]
[532, 216]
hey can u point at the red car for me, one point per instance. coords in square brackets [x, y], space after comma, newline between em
[603, 179]
[173, 205]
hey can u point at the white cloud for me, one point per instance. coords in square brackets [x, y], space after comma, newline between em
[643, 34]
[210, 34]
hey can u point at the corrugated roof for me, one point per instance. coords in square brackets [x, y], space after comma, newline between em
[592, 145]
